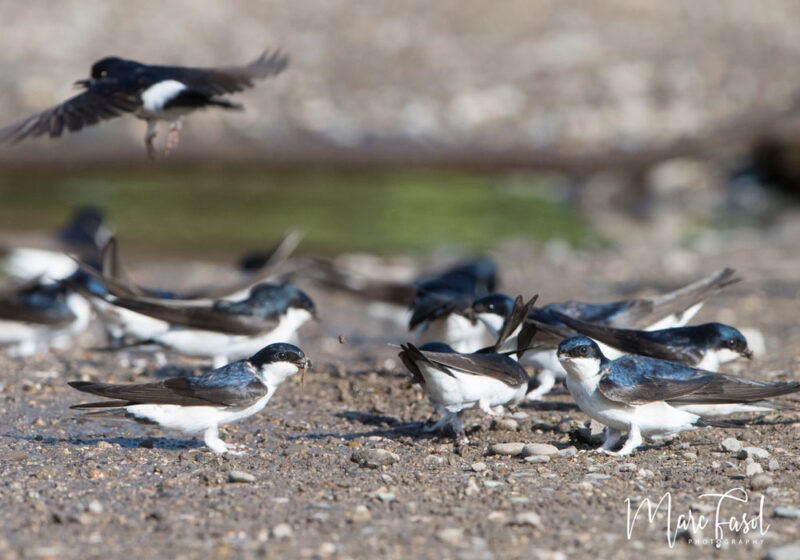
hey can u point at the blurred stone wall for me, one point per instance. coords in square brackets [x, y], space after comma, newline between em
[526, 75]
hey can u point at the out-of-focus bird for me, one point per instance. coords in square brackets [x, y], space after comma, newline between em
[117, 86]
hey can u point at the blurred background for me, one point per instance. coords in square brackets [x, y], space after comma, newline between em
[422, 126]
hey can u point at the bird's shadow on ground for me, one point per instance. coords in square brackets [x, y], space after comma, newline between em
[123, 442]
[384, 426]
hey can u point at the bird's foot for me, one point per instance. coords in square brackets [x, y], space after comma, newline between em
[173, 137]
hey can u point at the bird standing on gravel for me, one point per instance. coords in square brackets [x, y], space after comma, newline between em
[648, 397]
[150, 92]
[672, 309]
[202, 404]
[456, 381]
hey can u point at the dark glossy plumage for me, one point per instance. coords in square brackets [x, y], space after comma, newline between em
[116, 85]
[35, 303]
[445, 359]
[234, 385]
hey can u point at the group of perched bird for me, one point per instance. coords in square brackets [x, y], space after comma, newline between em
[635, 365]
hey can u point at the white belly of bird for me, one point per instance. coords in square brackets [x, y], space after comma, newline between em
[652, 418]
[459, 332]
[25, 264]
[465, 390]
[544, 359]
[14, 331]
[194, 419]
[712, 410]
[159, 94]
[122, 322]
[209, 344]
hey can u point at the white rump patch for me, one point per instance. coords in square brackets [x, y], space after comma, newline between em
[159, 94]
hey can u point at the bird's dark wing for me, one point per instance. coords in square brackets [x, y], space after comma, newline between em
[408, 355]
[34, 303]
[229, 79]
[499, 367]
[233, 385]
[645, 311]
[633, 341]
[726, 389]
[647, 389]
[195, 315]
[102, 101]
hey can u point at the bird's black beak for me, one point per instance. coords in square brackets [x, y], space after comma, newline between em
[748, 354]
[83, 84]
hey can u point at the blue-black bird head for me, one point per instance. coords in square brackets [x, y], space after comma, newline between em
[437, 347]
[86, 228]
[279, 352]
[495, 304]
[718, 336]
[281, 297]
[109, 67]
[579, 347]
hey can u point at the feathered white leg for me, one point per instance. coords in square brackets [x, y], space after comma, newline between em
[612, 437]
[546, 381]
[634, 440]
[211, 439]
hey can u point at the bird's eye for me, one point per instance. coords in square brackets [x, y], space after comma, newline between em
[582, 350]
[731, 343]
[103, 74]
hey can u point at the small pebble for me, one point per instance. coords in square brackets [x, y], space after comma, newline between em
[773, 465]
[627, 467]
[451, 535]
[754, 452]
[478, 467]
[731, 445]
[282, 531]
[361, 514]
[493, 483]
[539, 449]
[434, 460]
[374, 458]
[505, 424]
[240, 476]
[753, 469]
[95, 507]
[528, 518]
[570, 451]
[537, 459]
[597, 476]
[788, 552]
[786, 512]
[514, 448]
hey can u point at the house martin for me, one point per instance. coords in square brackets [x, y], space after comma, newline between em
[117, 86]
[650, 397]
[221, 329]
[82, 237]
[705, 346]
[202, 404]
[35, 316]
[442, 306]
[673, 309]
[455, 381]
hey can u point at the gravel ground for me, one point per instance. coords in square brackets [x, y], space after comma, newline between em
[72, 487]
